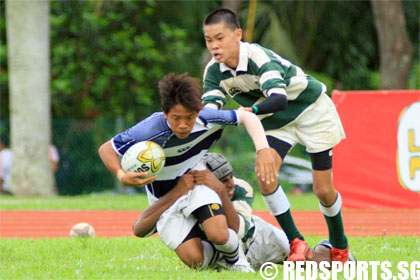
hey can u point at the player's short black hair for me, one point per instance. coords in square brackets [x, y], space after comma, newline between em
[181, 89]
[223, 15]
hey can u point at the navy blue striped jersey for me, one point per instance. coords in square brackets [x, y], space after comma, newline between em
[181, 154]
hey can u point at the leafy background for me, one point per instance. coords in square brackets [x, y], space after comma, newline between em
[108, 56]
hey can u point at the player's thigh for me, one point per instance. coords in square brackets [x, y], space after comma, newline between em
[281, 140]
[199, 196]
[173, 230]
[319, 127]
[173, 226]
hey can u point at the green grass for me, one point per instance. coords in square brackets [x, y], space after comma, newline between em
[134, 258]
[80, 202]
[123, 202]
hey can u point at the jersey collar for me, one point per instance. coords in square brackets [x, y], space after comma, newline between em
[243, 60]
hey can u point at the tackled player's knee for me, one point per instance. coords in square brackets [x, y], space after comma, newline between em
[193, 258]
[218, 237]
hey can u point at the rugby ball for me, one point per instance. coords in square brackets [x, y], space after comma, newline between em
[144, 156]
[82, 230]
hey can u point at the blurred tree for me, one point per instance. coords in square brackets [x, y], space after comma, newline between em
[335, 38]
[395, 48]
[233, 5]
[107, 58]
[29, 70]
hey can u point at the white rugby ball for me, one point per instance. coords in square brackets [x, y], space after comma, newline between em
[144, 156]
[82, 230]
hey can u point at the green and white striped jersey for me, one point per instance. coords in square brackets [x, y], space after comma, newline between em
[260, 73]
[242, 199]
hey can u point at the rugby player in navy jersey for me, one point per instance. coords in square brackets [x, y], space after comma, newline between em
[185, 131]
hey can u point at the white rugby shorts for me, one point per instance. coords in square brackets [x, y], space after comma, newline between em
[318, 128]
[177, 221]
[269, 244]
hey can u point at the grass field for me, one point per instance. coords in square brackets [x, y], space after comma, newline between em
[134, 258]
[123, 202]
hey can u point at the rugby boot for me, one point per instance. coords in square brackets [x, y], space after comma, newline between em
[340, 255]
[299, 251]
[327, 244]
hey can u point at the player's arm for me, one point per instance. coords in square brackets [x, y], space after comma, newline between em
[242, 202]
[111, 161]
[274, 103]
[146, 223]
[273, 86]
[207, 178]
[213, 96]
[265, 166]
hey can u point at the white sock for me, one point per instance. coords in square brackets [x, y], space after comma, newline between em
[333, 209]
[277, 201]
[231, 248]
[211, 255]
[241, 257]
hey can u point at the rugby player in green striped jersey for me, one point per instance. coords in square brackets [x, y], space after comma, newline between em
[293, 107]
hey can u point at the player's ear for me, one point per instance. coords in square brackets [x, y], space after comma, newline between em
[164, 114]
[238, 34]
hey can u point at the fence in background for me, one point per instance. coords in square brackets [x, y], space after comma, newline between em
[81, 170]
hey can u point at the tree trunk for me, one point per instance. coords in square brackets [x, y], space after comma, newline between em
[29, 83]
[233, 5]
[396, 52]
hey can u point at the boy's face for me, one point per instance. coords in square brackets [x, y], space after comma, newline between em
[229, 184]
[223, 43]
[181, 120]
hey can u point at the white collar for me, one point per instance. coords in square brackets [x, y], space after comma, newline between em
[243, 60]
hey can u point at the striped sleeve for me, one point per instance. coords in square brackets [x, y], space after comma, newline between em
[270, 70]
[213, 94]
[242, 202]
[271, 79]
[148, 129]
[245, 218]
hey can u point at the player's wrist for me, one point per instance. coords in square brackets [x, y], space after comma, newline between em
[254, 109]
[263, 148]
[120, 174]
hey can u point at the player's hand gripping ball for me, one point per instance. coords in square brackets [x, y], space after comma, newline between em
[144, 156]
[82, 230]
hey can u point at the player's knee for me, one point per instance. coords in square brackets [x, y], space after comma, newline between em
[218, 237]
[267, 187]
[193, 258]
[325, 194]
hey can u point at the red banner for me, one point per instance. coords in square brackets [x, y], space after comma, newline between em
[378, 164]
